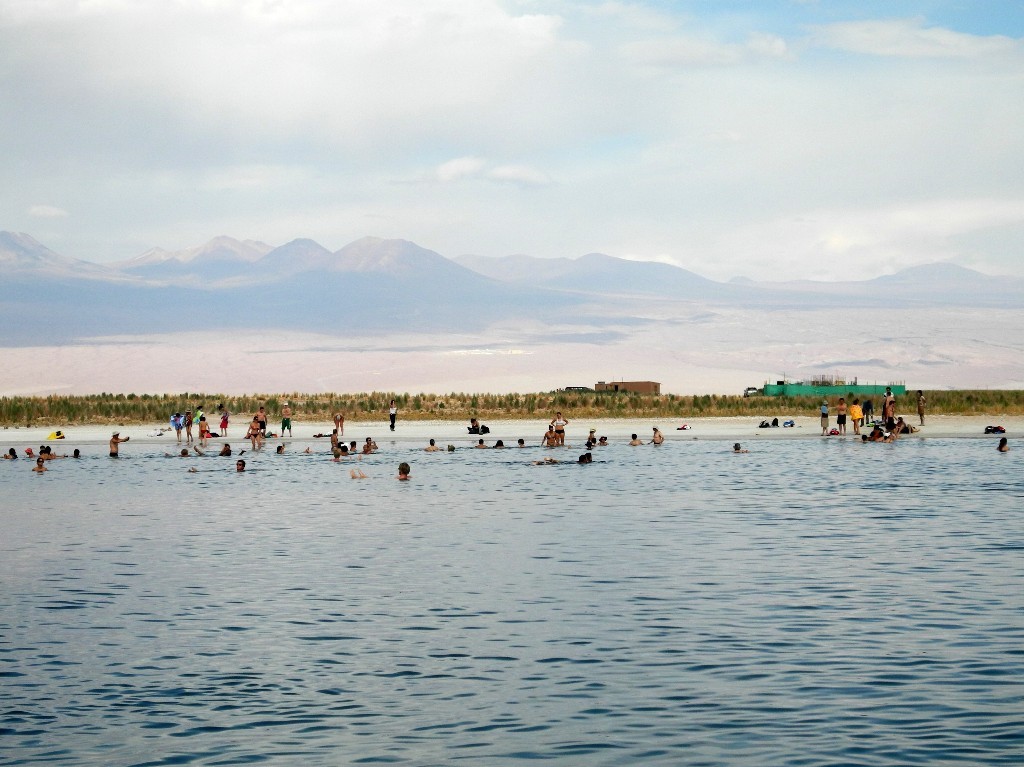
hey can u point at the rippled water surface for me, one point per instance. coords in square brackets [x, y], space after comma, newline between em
[810, 603]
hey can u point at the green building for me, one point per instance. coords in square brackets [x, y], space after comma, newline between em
[831, 386]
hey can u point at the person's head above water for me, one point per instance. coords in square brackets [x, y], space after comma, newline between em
[239, 465]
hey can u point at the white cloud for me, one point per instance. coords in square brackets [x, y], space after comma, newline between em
[459, 168]
[47, 211]
[911, 38]
[520, 174]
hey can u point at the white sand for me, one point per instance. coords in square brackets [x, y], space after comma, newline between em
[742, 429]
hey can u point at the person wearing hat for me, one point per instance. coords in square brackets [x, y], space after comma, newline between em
[116, 440]
[824, 417]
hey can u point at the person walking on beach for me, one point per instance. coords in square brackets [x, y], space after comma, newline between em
[824, 417]
[559, 424]
[223, 419]
[188, 427]
[339, 423]
[116, 440]
[920, 405]
[286, 419]
[177, 421]
[393, 414]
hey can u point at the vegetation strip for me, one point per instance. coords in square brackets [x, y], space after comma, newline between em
[61, 410]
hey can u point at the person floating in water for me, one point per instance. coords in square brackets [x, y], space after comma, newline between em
[738, 448]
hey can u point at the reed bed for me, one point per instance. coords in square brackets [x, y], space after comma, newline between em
[105, 408]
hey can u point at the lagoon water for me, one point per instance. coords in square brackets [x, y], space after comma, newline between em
[813, 602]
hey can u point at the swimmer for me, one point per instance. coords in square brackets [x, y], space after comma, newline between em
[603, 441]
[225, 450]
[658, 438]
[403, 471]
[431, 448]
[336, 452]
[11, 455]
[198, 451]
[521, 442]
[77, 453]
[239, 465]
[369, 446]
[585, 458]
[116, 440]
[280, 449]
[545, 462]
[550, 439]
[182, 454]
[480, 444]
[40, 466]
[737, 448]
[635, 440]
[499, 444]
[357, 474]
[1003, 446]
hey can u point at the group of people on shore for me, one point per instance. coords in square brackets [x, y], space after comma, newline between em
[858, 415]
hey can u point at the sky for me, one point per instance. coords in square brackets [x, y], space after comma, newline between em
[772, 140]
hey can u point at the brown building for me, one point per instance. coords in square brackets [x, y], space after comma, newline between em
[635, 387]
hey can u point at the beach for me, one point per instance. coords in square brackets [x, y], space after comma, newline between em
[743, 429]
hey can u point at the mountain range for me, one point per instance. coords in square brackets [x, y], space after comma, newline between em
[381, 286]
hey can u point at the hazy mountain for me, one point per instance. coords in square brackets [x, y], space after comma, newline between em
[20, 254]
[220, 258]
[598, 273]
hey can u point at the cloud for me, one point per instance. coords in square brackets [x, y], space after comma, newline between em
[520, 174]
[459, 168]
[47, 211]
[911, 38]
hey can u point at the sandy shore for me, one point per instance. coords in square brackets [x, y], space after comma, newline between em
[742, 429]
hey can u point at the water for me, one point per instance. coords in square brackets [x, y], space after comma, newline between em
[814, 602]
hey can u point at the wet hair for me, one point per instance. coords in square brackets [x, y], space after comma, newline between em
[499, 443]
[634, 436]
[403, 468]
[76, 454]
[521, 441]
[12, 453]
[183, 452]
[737, 447]
[431, 442]
[280, 448]
[240, 462]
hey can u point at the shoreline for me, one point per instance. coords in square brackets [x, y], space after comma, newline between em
[618, 430]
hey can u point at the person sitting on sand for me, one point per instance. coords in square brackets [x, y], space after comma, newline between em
[738, 448]
[1003, 446]
[40, 466]
[432, 447]
[635, 440]
[658, 437]
[403, 471]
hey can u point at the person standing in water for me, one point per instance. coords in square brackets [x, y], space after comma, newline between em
[116, 440]
[339, 423]
[223, 420]
[393, 413]
[286, 419]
